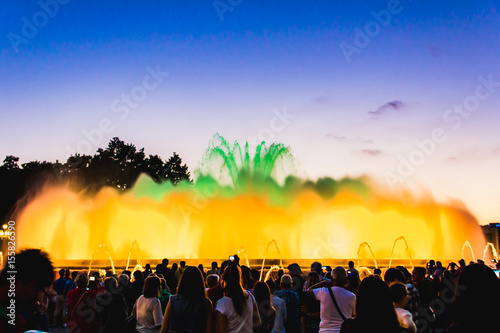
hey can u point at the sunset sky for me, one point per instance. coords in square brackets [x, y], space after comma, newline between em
[406, 92]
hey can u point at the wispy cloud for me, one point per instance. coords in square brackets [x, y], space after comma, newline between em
[372, 152]
[390, 106]
[343, 138]
[320, 99]
[335, 137]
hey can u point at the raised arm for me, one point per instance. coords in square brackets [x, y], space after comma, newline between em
[322, 284]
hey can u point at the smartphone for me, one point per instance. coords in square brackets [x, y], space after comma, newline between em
[92, 278]
[231, 258]
[323, 267]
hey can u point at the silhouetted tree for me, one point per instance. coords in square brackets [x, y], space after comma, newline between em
[175, 171]
[155, 168]
[119, 165]
[10, 163]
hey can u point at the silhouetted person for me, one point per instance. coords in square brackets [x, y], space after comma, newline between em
[246, 278]
[310, 306]
[316, 267]
[462, 265]
[267, 312]
[280, 307]
[430, 268]
[111, 308]
[255, 275]
[174, 274]
[202, 270]
[236, 260]
[353, 282]
[237, 310]
[296, 273]
[168, 275]
[95, 282]
[351, 269]
[217, 292]
[147, 270]
[291, 299]
[374, 309]
[423, 285]
[147, 308]
[82, 307]
[214, 269]
[137, 285]
[60, 297]
[34, 273]
[399, 295]
[70, 284]
[189, 310]
[164, 294]
[180, 270]
[337, 304]
[395, 275]
[476, 305]
[278, 280]
[125, 288]
[212, 281]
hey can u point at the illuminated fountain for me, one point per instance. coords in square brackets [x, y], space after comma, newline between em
[493, 251]
[365, 244]
[471, 250]
[265, 255]
[137, 267]
[407, 250]
[268, 275]
[245, 200]
[135, 245]
[102, 246]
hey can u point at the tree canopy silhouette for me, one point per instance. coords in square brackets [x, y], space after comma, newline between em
[119, 165]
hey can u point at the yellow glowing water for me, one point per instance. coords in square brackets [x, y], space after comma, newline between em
[177, 224]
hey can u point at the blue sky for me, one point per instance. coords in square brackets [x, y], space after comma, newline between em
[233, 72]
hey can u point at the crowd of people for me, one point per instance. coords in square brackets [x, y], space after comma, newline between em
[232, 298]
